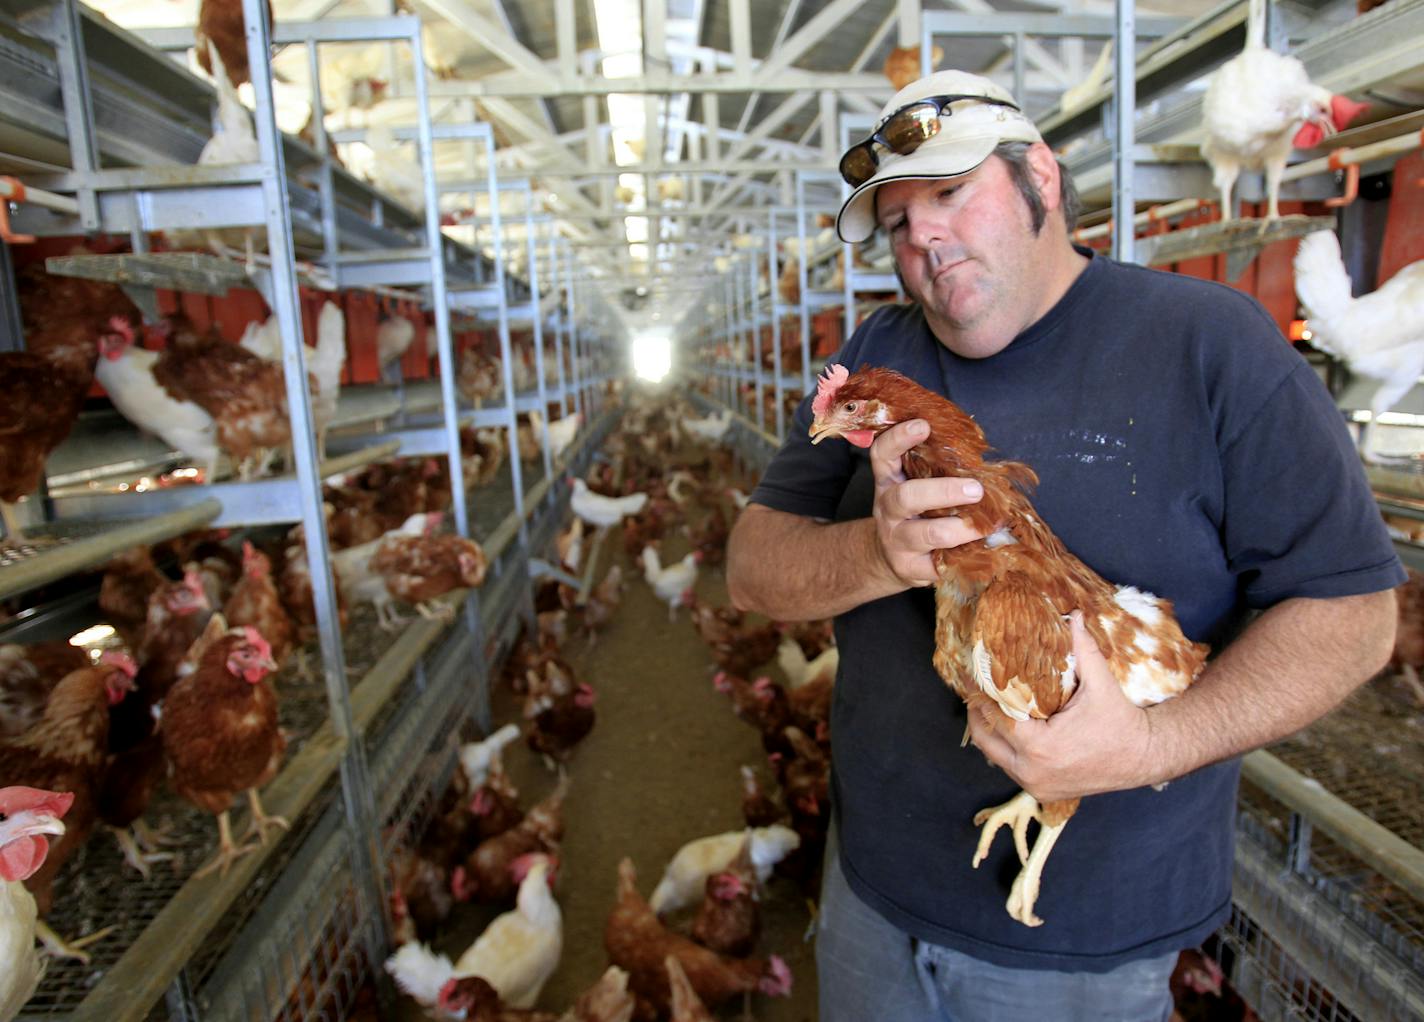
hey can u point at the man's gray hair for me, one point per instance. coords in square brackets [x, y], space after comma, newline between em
[1015, 154]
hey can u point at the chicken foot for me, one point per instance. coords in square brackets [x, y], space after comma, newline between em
[1017, 812]
[129, 843]
[57, 947]
[435, 610]
[229, 851]
[14, 534]
[261, 821]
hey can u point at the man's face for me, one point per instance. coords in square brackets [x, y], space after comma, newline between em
[967, 253]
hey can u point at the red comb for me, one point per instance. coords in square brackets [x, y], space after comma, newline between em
[826, 386]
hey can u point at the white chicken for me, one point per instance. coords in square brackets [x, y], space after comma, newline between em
[235, 141]
[1260, 105]
[602, 512]
[673, 584]
[685, 878]
[324, 362]
[125, 371]
[1379, 335]
[516, 954]
[710, 429]
[478, 758]
[28, 816]
[393, 337]
[799, 670]
[560, 434]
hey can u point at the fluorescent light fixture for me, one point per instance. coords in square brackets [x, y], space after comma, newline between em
[652, 356]
[91, 636]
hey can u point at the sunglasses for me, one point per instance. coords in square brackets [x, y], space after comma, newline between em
[902, 133]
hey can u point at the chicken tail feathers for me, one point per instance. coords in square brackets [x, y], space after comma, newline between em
[420, 972]
[1321, 283]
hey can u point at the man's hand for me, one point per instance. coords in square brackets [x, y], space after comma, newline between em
[906, 540]
[1099, 742]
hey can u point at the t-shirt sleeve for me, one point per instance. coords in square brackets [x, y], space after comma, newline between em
[802, 478]
[809, 479]
[1300, 520]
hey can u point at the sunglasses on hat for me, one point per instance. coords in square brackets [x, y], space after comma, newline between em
[902, 133]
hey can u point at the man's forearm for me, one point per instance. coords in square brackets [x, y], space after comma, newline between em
[792, 568]
[1294, 664]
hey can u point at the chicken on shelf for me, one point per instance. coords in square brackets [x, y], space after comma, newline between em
[220, 22]
[1002, 635]
[255, 601]
[28, 674]
[1259, 106]
[67, 751]
[221, 736]
[29, 817]
[1379, 335]
[65, 319]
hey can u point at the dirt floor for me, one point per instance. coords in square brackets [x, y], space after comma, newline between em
[659, 769]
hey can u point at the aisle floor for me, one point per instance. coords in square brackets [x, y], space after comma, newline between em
[659, 769]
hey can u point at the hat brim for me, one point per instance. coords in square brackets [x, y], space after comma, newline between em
[951, 158]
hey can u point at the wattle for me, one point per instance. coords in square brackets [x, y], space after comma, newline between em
[861, 437]
[21, 857]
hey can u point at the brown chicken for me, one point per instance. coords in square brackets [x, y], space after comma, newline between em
[28, 674]
[1002, 633]
[487, 874]
[45, 385]
[602, 602]
[480, 377]
[738, 646]
[474, 1000]
[710, 538]
[243, 392]
[254, 601]
[221, 736]
[66, 751]
[762, 704]
[637, 941]
[419, 569]
[481, 454]
[728, 920]
[129, 580]
[686, 1005]
[177, 613]
[495, 804]
[221, 21]
[759, 809]
[421, 899]
[1408, 655]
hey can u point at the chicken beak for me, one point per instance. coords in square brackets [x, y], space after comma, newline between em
[269, 663]
[30, 823]
[821, 430]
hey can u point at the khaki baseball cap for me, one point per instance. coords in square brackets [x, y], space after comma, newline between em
[968, 132]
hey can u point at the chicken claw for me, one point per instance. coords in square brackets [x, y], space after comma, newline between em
[436, 610]
[133, 854]
[261, 821]
[228, 850]
[1024, 892]
[57, 947]
[1017, 811]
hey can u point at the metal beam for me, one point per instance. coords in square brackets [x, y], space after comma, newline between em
[1002, 23]
[741, 36]
[829, 18]
[489, 34]
[546, 84]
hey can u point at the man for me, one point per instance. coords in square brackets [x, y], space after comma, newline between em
[1182, 447]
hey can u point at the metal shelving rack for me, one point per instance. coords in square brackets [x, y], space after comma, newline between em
[191, 943]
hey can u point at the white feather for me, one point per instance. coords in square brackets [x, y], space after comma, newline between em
[685, 878]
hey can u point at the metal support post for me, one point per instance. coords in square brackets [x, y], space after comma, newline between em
[325, 177]
[12, 335]
[356, 788]
[562, 338]
[804, 276]
[78, 108]
[533, 257]
[759, 412]
[1124, 112]
[776, 375]
[439, 298]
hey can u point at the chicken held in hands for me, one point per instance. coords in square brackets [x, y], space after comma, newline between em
[1002, 603]
[221, 736]
[29, 817]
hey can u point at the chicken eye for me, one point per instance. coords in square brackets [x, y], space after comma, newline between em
[852, 406]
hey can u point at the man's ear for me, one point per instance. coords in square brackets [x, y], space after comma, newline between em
[1043, 171]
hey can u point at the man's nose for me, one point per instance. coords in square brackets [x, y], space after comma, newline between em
[925, 229]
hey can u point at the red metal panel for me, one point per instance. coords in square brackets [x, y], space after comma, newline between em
[1404, 230]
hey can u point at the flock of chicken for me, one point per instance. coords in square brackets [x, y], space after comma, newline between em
[183, 689]
[483, 846]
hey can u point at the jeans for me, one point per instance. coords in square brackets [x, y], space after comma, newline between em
[871, 971]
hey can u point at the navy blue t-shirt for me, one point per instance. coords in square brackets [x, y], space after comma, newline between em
[1182, 447]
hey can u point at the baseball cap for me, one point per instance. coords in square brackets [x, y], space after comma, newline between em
[968, 132]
